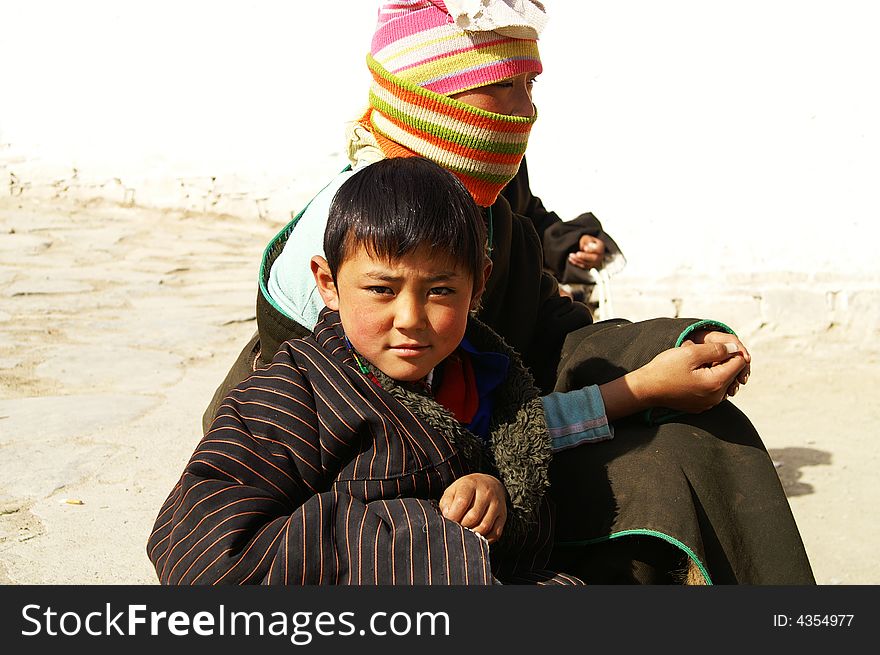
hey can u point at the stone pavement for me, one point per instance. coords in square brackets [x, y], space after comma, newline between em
[115, 325]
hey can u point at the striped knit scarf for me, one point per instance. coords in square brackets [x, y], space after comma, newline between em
[482, 148]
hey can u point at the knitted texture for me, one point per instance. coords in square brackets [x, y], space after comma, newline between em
[481, 148]
[418, 41]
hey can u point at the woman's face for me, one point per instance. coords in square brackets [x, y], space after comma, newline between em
[511, 97]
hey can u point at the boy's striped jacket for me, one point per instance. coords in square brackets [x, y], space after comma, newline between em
[313, 474]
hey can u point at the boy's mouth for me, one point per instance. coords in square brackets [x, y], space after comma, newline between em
[409, 349]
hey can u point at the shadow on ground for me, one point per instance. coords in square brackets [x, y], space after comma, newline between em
[789, 464]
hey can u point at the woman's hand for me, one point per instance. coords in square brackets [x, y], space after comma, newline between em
[714, 336]
[591, 253]
[694, 377]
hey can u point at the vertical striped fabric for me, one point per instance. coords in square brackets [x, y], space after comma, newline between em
[311, 474]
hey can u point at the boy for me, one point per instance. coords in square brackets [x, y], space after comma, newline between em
[394, 444]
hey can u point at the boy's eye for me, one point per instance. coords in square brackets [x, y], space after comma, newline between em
[380, 290]
[441, 291]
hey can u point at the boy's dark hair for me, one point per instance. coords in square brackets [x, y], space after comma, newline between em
[395, 206]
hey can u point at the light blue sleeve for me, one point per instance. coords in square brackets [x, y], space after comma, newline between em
[576, 417]
[291, 284]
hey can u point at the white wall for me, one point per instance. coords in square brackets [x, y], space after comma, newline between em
[252, 94]
[732, 149]
[761, 116]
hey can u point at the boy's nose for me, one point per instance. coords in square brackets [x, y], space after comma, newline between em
[409, 313]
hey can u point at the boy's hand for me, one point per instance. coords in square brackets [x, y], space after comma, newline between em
[477, 501]
[694, 377]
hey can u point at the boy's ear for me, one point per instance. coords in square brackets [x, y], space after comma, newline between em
[480, 285]
[324, 280]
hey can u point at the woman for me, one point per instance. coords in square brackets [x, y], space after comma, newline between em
[691, 487]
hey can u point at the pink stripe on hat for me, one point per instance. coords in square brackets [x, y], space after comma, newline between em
[481, 76]
[418, 41]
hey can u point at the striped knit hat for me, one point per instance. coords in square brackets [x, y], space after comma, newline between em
[421, 54]
[422, 42]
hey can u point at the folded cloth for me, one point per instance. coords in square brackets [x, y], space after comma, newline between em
[701, 486]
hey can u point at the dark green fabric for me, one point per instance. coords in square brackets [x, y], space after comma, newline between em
[244, 365]
[704, 481]
[521, 302]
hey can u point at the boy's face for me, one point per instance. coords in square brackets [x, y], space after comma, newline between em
[404, 316]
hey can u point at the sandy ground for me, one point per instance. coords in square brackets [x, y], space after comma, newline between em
[117, 323]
